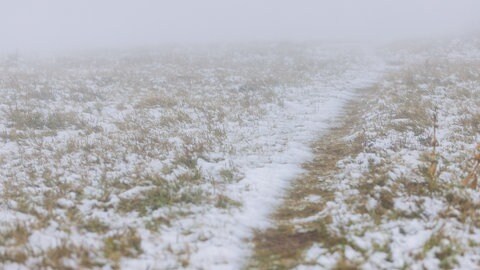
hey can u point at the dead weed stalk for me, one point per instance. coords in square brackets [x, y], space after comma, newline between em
[433, 156]
[471, 180]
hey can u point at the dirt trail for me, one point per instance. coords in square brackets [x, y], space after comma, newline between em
[282, 246]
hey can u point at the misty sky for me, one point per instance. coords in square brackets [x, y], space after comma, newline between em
[67, 24]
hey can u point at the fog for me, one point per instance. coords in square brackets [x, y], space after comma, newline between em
[68, 24]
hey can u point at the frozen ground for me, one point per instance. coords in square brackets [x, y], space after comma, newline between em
[160, 159]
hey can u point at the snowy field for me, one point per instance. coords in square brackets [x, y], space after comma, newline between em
[232, 135]
[394, 187]
[268, 156]
[160, 159]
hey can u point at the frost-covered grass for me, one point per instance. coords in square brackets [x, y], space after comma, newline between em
[157, 159]
[368, 199]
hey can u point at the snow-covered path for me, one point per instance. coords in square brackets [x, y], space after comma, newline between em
[283, 136]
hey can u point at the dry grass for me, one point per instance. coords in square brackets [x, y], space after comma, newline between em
[122, 244]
